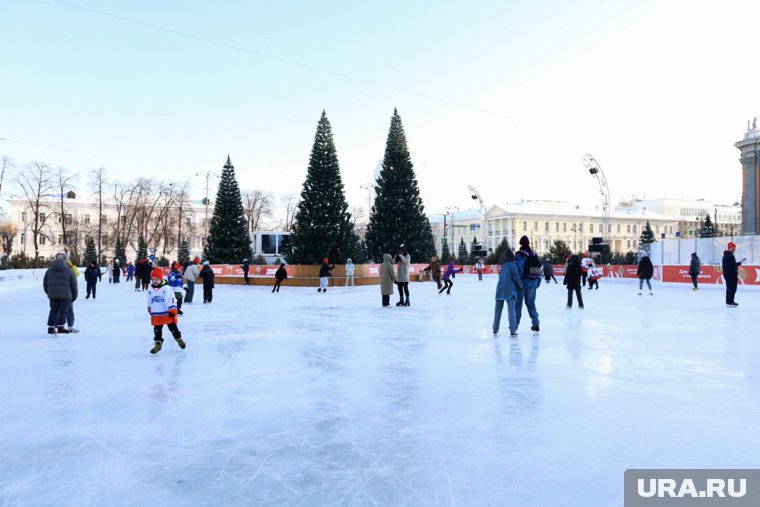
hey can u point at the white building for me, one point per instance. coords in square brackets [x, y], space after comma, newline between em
[691, 213]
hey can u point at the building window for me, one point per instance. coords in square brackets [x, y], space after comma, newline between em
[591, 228]
[618, 227]
[42, 240]
[671, 229]
[564, 226]
[546, 226]
[525, 226]
[635, 227]
[580, 227]
[60, 239]
[69, 219]
[23, 216]
[628, 230]
[535, 226]
[58, 219]
[556, 226]
[42, 217]
[23, 238]
[658, 229]
[124, 220]
[87, 220]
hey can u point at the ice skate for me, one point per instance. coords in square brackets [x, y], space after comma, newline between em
[534, 329]
[513, 333]
[581, 307]
[639, 293]
[651, 293]
[181, 343]
[51, 330]
[407, 302]
[156, 348]
[73, 330]
[62, 330]
[568, 307]
[319, 290]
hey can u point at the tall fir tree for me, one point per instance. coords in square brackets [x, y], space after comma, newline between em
[472, 258]
[228, 241]
[398, 215]
[558, 252]
[708, 228]
[463, 255]
[445, 252]
[647, 238]
[322, 224]
[119, 252]
[183, 254]
[495, 256]
[142, 248]
[90, 254]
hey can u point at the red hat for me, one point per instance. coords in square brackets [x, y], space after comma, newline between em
[731, 245]
[196, 261]
[157, 273]
[325, 261]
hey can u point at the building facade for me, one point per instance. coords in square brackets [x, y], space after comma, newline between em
[749, 147]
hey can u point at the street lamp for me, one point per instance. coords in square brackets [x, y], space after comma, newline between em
[368, 188]
[475, 195]
[208, 175]
[452, 209]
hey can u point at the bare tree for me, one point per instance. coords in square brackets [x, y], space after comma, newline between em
[64, 184]
[357, 215]
[36, 181]
[97, 181]
[5, 165]
[257, 205]
[8, 233]
[290, 204]
[182, 196]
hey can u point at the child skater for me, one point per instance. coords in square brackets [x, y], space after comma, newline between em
[479, 267]
[594, 274]
[175, 282]
[279, 276]
[163, 310]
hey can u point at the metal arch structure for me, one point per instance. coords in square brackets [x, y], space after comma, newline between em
[596, 171]
[476, 195]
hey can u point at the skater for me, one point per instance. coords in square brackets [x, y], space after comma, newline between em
[245, 266]
[208, 282]
[584, 268]
[694, 270]
[145, 276]
[506, 291]
[403, 260]
[91, 276]
[174, 281]
[324, 273]
[191, 275]
[731, 273]
[70, 315]
[434, 268]
[645, 272]
[116, 271]
[60, 285]
[530, 271]
[573, 282]
[350, 269]
[279, 276]
[548, 270]
[594, 274]
[130, 272]
[139, 266]
[387, 279]
[163, 310]
[479, 267]
[447, 283]
[109, 271]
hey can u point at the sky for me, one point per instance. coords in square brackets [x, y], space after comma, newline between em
[505, 96]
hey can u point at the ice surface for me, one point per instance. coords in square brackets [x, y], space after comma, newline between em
[300, 398]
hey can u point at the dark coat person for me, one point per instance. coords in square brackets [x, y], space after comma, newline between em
[731, 273]
[279, 275]
[245, 267]
[694, 269]
[60, 285]
[91, 276]
[645, 271]
[573, 276]
[208, 282]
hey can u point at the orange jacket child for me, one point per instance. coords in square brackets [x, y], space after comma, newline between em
[162, 307]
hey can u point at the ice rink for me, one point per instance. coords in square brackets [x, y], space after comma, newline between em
[300, 398]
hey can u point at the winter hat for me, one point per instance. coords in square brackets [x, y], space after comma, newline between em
[325, 261]
[245, 260]
[196, 260]
[205, 263]
[731, 245]
[157, 273]
[349, 261]
[524, 241]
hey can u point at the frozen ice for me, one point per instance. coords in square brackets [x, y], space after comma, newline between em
[300, 398]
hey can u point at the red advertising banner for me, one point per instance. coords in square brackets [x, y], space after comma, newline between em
[748, 275]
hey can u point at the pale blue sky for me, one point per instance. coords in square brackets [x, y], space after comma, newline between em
[658, 92]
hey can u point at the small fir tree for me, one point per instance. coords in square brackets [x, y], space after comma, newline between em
[90, 254]
[647, 237]
[445, 252]
[322, 223]
[472, 257]
[184, 251]
[228, 241]
[708, 228]
[119, 252]
[142, 248]
[398, 215]
[559, 251]
[463, 255]
[495, 256]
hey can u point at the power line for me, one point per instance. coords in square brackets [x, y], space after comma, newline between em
[314, 67]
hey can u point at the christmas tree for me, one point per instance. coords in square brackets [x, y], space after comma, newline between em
[463, 255]
[228, 241]
[647, 237]
[142, 248]
[90, 255]
[708, 228]
[184, 251]
[322, 224]
[558, 252]
[495, 256]
[472, 257]
[119, 252]
[445, 252]
[398, 215]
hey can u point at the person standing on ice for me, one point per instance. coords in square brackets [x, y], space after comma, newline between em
[350, 269]
[403, 259]
[324, 273]
[146, 274]
[447, 283]
[70, 315]
[731, 273]
[479, 267]
[584, 268]
[434, 268]
[139, 267]
[60, 285]
[207, 274]
[530, 271]
[280, 275]
[694, 270]
[91, 276]
[130, 271]
[245, 267]
[116, 271]
[387, 279]
[506, 291]
[548, 270]
[191, 275]
[174, 281]
[594, 274]
[573, 282]
[109, 271]
[645, 272]
[162, 308]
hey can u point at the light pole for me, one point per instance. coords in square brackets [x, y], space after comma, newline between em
[208, 175]
[476, 196]
[452, 209]
[368, 188]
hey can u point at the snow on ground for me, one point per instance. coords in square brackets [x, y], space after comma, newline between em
[300, 398]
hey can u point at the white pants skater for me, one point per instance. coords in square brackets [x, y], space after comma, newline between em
[323, 282]
[351, 278]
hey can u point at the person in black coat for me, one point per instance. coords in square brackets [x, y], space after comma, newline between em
[208, 282]
[116, 271]
[548, 270]
[60, 285]
[645, 272]
[279, 276]
[245, 266]
[139, 268]
[694, 266]
[731, 273]
[573, 281]
[145, 275]
[91, 276]
[324, 273]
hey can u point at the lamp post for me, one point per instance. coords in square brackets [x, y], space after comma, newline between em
[208, 175]
[475, 195]
[452, 209]
[368, 188]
